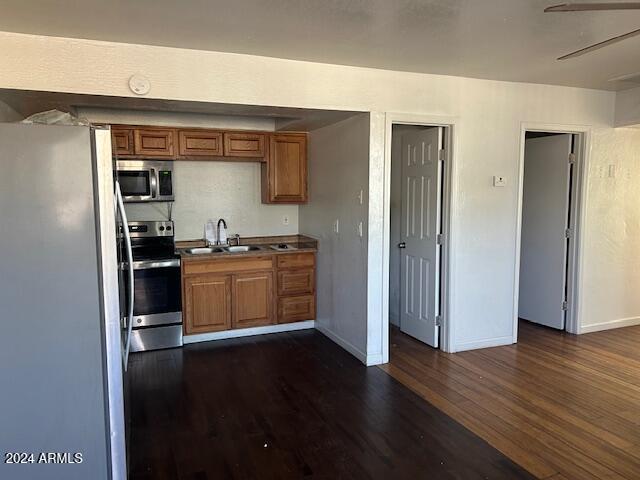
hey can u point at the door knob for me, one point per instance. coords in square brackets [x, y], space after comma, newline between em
[402, 245]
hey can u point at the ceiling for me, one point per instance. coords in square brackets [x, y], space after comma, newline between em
[493, 39]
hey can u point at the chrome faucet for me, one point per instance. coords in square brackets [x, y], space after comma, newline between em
[221, 221]
[237, 237]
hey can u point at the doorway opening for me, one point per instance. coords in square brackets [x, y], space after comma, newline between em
[419, 205]
[549, 228]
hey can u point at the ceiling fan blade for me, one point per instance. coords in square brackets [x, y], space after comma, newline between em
[599, 45]
[588, 7]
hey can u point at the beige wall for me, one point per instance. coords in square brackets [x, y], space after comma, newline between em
[208, 190]
[488, 115]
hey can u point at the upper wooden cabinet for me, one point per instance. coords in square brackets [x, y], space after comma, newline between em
[199, 144]
[154, 142]
[246, 145]
[122, 141]
[284, 176]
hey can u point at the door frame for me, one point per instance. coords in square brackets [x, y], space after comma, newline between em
[451, 126]
[577, 211]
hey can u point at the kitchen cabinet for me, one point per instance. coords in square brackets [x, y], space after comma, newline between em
[284, 175]
[232, 292]
[122, 141]
[244, 145]
[199, 144]
[296, 287]
[207, 303]
[296, 309]
[252, 299]
[154, 142]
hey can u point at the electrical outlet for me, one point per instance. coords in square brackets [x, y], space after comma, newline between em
[285, 220]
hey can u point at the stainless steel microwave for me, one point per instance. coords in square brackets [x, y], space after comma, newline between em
[145, 180]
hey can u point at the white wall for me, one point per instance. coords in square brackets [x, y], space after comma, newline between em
[611, 290]
[338, 165]
[628, 107]
[205, 190]
[488, 117]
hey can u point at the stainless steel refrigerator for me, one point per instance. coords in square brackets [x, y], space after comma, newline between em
[61, 339]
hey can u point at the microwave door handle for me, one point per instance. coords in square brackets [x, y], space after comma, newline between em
[153, 180]
[127, 240]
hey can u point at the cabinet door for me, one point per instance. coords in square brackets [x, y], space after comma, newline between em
[287, 169]
[154, 142]
[199, 143]
[296, 282]
[237, 144]
[296, 309]
[252, 299]
[207, 303]
[122, 141]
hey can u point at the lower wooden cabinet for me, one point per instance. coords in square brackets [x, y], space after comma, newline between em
[207, 303]
[252, 299]
[296, 309]
[225, 293]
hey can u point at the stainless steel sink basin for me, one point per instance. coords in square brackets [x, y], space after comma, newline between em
[242, 248]
[202, 250]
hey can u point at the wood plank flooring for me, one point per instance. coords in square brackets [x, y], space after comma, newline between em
[560, 405]
[290, 406]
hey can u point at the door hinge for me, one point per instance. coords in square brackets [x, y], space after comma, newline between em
[567, 233]
[572, 158]
[438, 320]
[565, 306]
[439, 239]
[442, 155]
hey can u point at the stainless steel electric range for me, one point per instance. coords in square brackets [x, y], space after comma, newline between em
[157, 305]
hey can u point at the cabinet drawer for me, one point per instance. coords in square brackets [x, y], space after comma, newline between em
[154, 142]
[199, 143]
[227, 265]
[296, 282]
[244, 145]
[295, 260]
[122, 141]
[296, 309]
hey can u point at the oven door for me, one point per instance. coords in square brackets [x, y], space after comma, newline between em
[137, 184]
[157, 287]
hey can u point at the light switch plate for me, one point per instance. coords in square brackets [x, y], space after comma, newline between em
[499, 181]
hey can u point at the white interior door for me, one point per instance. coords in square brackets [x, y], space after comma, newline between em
[420, 254]
[545, 217]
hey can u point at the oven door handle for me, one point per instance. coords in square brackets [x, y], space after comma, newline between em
[148, 264]
[127, 240]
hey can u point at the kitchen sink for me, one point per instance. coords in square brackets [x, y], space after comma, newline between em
[242, 248]
[202, 250]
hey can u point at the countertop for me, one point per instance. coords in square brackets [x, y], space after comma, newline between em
[302, 244]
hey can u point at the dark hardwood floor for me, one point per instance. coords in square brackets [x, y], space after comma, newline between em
[290, 406]
[560, 405]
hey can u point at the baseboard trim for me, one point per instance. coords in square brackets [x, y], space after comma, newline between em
[488, 343]
[247, 332]
[611, 324]
[348, 346]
